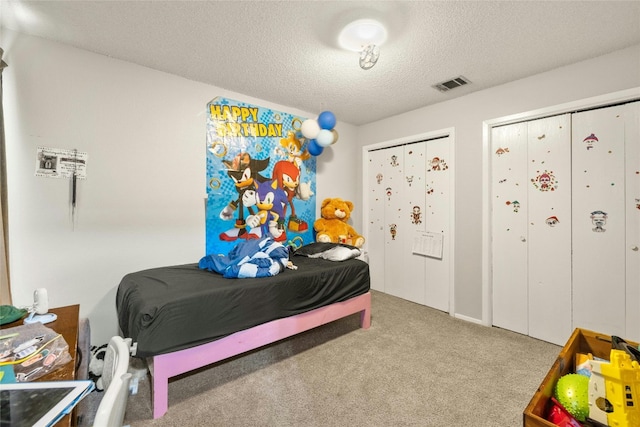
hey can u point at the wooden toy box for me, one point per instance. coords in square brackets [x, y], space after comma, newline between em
[581, 341]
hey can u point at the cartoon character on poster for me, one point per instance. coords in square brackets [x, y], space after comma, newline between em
[261, 177]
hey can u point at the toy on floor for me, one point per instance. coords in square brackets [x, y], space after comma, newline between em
[96, 365]
[612, 397]
[583, 364]
[560, 416]
[614, 390]
[333, 226]
[618, 343]
[572, 391]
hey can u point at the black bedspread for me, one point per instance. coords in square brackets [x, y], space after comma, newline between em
[172, 308]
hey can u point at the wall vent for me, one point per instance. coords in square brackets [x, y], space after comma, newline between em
[451, 84]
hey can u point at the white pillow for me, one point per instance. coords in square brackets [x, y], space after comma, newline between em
[338, 253]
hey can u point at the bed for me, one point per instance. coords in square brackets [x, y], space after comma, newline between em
[183, 318]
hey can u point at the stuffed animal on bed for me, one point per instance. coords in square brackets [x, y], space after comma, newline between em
[333, 227]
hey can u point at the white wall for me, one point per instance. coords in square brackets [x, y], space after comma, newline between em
[610, 73]
[142, 204]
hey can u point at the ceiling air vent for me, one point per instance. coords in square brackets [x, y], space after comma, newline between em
[451, 84]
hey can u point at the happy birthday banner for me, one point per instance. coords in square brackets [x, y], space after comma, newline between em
[261, 176]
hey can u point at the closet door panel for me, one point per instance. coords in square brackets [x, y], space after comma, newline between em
[412, 202]
[549, 228]
[632, 204]
[599, 221]
[375, 242]
[509, 227]
[395, 229]
[437, 218]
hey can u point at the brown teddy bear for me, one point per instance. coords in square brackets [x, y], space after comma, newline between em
[333, 227]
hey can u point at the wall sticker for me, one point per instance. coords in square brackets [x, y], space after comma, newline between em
[516, 205]
[599, 219]
[438, 164]
[552, 221]
[545, 181]
[416, 215]
[590, 140]
[393, 230]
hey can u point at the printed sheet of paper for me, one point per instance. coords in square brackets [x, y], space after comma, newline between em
[61, 163]
[429, 244]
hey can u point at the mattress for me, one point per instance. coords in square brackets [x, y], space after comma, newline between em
[172, 308]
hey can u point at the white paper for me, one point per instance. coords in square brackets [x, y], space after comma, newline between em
[61, 163]
[428, 244]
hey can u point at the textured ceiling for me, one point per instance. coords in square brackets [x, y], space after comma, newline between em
[286, 51]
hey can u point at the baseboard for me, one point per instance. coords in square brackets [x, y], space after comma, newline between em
[469, 319]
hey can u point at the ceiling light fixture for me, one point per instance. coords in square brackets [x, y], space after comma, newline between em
[369, 56]
[364, 36]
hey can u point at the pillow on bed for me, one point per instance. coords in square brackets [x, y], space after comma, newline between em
[330, 251]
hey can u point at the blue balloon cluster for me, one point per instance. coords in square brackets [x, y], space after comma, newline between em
[320, 132]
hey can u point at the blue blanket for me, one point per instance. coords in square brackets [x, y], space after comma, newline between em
[251, 258]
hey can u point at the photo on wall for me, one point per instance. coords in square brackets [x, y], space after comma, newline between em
[261, 179]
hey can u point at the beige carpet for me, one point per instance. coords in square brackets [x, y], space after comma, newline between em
[415, 366]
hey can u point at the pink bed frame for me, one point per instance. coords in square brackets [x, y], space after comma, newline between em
[165, 366]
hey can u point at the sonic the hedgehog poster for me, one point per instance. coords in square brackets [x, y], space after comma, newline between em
[261, 180]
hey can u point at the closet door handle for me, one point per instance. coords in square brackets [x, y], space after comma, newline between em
[522, 239]
[634, 248]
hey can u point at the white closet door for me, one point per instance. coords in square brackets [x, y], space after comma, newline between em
[375, 242]
[396, 230]
[437, 220]
[509, 185]
[549, 228]
[599, 221]
[632, 198]
[409, 193]
[412, 202]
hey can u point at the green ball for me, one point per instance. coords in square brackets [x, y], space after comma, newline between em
[572, 391]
